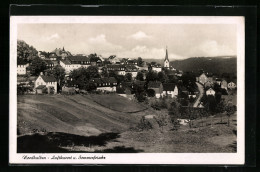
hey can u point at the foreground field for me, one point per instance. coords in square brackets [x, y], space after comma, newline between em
[96, 123]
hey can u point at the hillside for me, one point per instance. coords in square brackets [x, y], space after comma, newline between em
[89, 123]
[217, 65]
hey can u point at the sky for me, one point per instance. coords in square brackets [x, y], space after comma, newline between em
[134, 40]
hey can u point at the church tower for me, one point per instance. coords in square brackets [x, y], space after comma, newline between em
[166, 60]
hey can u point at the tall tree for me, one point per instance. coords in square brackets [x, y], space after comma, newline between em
[25, 51]
[59, 73]
[162, 77]
[151, 76]
[140, 62]
[140, 76]
[128, 77]
[80, 77]
[92, 72]
[37, 66]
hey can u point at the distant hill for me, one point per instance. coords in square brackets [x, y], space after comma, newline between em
[216, 65]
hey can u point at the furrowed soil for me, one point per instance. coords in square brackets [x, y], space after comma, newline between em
[108, 123]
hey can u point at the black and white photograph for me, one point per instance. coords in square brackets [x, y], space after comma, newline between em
[127, 89]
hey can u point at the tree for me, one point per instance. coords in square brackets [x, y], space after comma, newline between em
[140, 76]
[151, 76]
[93, 57]
[104, 72]
[26, 52]
[174, 112]
[37, 66]
[92, 72]
[230, 109]
[220, 108]
[80, 77]
[140, 62]
[150, 93]
[59, 73]
[162, 77]
[128, 77]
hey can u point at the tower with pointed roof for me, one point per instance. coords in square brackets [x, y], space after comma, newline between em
[166, 60]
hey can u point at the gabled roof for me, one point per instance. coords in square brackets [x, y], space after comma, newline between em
[78, 58]
[210, 89]
[66, 62]
[104, 80]
[154, 84]
[168, 87]
[130, 68]
[116, 66]
[48, 78]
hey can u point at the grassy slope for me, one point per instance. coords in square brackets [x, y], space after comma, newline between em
[74, 114]
[78, 124]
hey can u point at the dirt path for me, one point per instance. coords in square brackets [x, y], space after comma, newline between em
[201, 90]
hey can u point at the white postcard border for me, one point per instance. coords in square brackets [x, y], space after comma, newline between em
[130, 158]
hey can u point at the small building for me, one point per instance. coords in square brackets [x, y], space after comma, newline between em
[75, 62]
[125, 89]
[117, 68]
[231, 85]
[105, 84]
[49, 63]
[21, 67]
[210, 91]
[224, 84]
[157, 87]
[43, 82]
[170, 90]
[131, 69]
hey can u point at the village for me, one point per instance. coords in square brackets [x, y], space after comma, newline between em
[131, 78]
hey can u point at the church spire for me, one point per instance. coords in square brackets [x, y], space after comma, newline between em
[63, 49]
[166, 56]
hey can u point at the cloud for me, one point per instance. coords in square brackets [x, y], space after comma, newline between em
[147, 53]
[53, 37]
[212, 48]
[140, 36]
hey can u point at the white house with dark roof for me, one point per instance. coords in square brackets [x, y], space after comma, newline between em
[75, 62]
[157, 87]
[170, 90]
[105, 84]
[231, 85]
[21, 67]
[44, 81]
[117, 68]
[210, 91]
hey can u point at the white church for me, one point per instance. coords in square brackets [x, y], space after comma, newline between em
[166, 60]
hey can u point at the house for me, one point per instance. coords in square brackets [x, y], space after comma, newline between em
[208, 84]
[75, 62]
[43, 82]
[131, 69]
[166, 60]
[210, 91]
[125, 89]
[157, 87]
[49, 63]
[231, 85]
[53, 56]
[21, 67]
[170, 90]
[157, 68]
[224, 84]
[218, 81]
[117, 68]
[202, 78]
[105, 84]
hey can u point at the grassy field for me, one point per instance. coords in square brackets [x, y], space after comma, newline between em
[58, 123]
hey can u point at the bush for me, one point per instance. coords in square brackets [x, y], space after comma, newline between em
[150, 93]
[144, 124]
